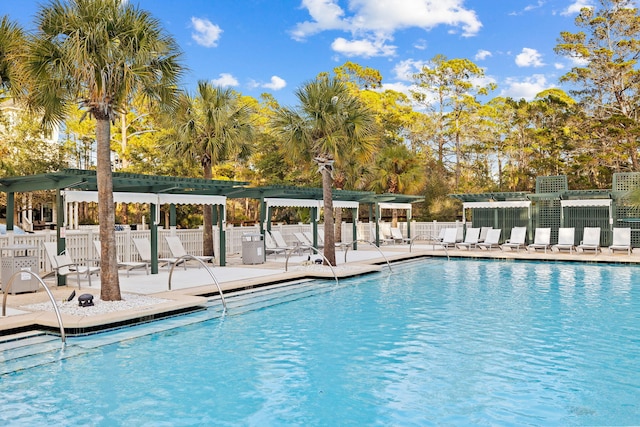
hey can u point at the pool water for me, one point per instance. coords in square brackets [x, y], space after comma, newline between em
[434, 343]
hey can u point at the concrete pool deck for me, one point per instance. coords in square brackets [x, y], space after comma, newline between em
[192, 288]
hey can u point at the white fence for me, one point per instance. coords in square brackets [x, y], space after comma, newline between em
[80, 247]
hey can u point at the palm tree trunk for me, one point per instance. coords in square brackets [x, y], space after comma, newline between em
[110, 284]
[327, 197]
[207, 218]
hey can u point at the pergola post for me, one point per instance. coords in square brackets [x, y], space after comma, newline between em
[376, 215]
[314, 226]
[354, 227]
[11, 203]
[172, 215]
[223, 235]
[153, 228]
[60, 240]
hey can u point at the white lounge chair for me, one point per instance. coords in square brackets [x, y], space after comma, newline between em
[449, 239]
[177, 250]
[280, 242]
[309, 237]
[143, 246]
[621, 240]
[270, 245]
[470, 239]
[541, 240]
[566, 240]
[516, 240]
[397, 236]
[63, 265]
[381, 238]
[483, 233]
[492, 240]
[590, 240]
[127, 265]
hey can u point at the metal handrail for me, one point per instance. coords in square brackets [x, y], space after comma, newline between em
[431, 239]
[289, 251]
[188, 257]
[53, 300]
[348, 245]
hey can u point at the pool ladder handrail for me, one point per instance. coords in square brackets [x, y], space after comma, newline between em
[297, 248]
[430, 238]
[191, 257]
[348, 245]
[51, 297]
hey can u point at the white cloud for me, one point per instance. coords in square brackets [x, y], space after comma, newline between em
[558, 66]
[527, 88]
[225, 80]
[404, 70]
[529, 58]
[482, 54]
[205, 32]
[276, 83]
[364, 48]
[575, 7]
[420, 44]
[374, 22]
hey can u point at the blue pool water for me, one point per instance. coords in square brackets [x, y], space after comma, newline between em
[435, 343]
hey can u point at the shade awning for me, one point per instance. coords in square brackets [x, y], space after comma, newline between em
[191, 199]
[125, 197]
[502, 204]
[118, 197]
[387, 205]
[586, 202]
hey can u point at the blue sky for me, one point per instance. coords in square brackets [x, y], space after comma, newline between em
[274, 46]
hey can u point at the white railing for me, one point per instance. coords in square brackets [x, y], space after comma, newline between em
[80, 247]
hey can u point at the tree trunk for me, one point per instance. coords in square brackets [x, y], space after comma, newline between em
[110, 284]
[338, 225]
[207, 218]
[327, 196]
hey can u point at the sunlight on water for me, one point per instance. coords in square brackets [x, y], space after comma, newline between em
[435, 343]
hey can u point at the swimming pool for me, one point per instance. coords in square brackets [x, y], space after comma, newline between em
[455, 343]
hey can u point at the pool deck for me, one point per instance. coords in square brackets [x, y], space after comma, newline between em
[193, 287]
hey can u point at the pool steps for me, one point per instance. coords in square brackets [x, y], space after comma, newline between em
[35, 348]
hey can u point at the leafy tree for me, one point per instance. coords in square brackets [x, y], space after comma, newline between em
[447, 89]
[328, 123]
[212, 126]
[98, 54]
[607, 77]
[12, 42]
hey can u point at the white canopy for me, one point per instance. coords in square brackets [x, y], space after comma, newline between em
[308, 203]
[71, 196]
[403, 206]
[490, 205]
[161, 198]
[590, 202]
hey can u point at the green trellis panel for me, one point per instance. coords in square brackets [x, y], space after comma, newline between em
[589, 216]
[546, 213]
[551, 184]
[623, 182]
[502, 218]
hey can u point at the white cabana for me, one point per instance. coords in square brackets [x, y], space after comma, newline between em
[73, 197]
[513, 204]
[580, 203]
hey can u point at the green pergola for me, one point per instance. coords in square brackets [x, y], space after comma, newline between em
[274, 196]
[183, 190]
[377, 202]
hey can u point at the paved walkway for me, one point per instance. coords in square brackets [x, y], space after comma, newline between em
[189, 287]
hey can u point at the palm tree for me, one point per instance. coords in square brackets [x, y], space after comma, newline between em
[12, 41]
[397, 170]
[99, 54]
[214, 126]
[329, 122]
